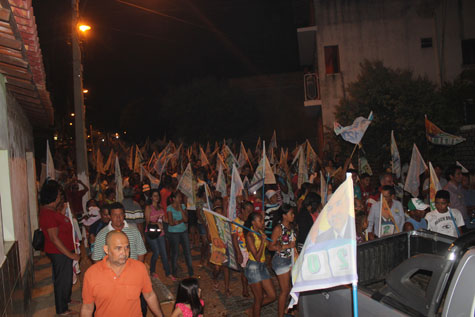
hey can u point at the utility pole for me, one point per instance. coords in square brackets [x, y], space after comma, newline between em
[79, 108]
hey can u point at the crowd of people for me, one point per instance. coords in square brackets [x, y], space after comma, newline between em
[155, 215]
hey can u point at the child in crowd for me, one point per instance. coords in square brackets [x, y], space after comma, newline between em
[256, 271]
[188, 299]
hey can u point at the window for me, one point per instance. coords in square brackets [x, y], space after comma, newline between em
[426, 42]
[468, 51]
[332, 59]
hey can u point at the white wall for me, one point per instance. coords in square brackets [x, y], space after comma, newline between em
[16, 140]
[390, 31]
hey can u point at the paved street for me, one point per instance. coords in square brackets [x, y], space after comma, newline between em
[216, 303]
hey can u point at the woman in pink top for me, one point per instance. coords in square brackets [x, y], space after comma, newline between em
[154, 214]
[188, 299]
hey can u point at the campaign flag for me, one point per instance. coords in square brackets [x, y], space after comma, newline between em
[154, 182]
[385, 212]
[303, 170]
[99, 162]
[185, 185]
[130, 158]
[110, 161]
[355, 132]
[436, 136]
[273, 142]
[434, 186]
[50, 171]
[76, 237]
[328, 257]
[236, 190]
[297, 154]
[364, 166]
[395, 158]
[208, 148]
[222, 249]
[464, 170]
[263, 172]
[119, 194]
[258, 146]
[416, 168]
[203, 158]
[221, 182]
[220, 162]
[229, 157]
[243, 158]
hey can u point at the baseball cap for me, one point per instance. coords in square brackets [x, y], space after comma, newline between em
[417, 204]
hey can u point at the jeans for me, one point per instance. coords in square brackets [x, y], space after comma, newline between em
[176, 238]
[158, 248]
[62, 281]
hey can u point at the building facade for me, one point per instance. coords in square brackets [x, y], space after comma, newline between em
[24, 106]
[435, 39]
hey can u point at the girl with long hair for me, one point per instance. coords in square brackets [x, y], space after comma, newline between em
[154, 215]
[256, 272]
[283, 243]
[188, 299]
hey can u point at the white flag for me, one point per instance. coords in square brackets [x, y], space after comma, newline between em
[434, 186]
[154, 182]
[263, 172]
[273, 142]
[50, 172]
[221, 182]
[395, 158]
[119, 193]
[203, 158]
[416, 168]
[236, 190]
[303, 170]
[185, 185]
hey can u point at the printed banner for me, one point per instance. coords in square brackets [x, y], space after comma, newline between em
[395, 158]
[436, 136]
[328, 257]
[222, 249]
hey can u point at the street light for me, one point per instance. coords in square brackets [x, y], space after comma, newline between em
[85, 91]
[84, 28]
[72, 114]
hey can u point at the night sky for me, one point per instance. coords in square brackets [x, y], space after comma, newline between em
[139, 49]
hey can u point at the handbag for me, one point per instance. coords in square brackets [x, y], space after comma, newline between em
[38, 240]
[153, 231]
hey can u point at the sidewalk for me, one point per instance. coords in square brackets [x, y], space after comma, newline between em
[216, 303]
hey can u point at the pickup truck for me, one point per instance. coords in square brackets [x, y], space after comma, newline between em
[417, 273]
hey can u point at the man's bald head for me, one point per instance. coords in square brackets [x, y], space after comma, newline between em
[113, 234]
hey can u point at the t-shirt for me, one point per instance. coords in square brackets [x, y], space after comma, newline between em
[52, 219]
[417, 225]
[269, 217]
[116, 295]
[133, 211]
[443, 223]
[176, 214]
[186, 310]
[137, 247]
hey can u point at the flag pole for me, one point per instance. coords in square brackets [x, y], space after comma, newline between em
[355, 298]
[354, 149]
[264, 174]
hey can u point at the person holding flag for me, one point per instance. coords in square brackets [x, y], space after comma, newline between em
[385, 216]
[256, 271]
[283, 244]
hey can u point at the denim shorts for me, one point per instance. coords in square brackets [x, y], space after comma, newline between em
[281, 265]
[256, 272]
[201, 229]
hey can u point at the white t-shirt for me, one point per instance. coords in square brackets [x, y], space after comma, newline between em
[443, 223]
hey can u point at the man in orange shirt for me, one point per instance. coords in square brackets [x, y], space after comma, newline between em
[115, 283]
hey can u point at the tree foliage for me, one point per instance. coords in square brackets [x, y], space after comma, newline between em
[399, 100]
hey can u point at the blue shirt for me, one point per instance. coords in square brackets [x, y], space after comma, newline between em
[176, 214]
[417, 225]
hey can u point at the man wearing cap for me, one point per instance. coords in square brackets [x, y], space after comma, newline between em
[417, 210]
[271, 206]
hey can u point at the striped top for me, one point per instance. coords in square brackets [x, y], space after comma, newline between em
[137, 246]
